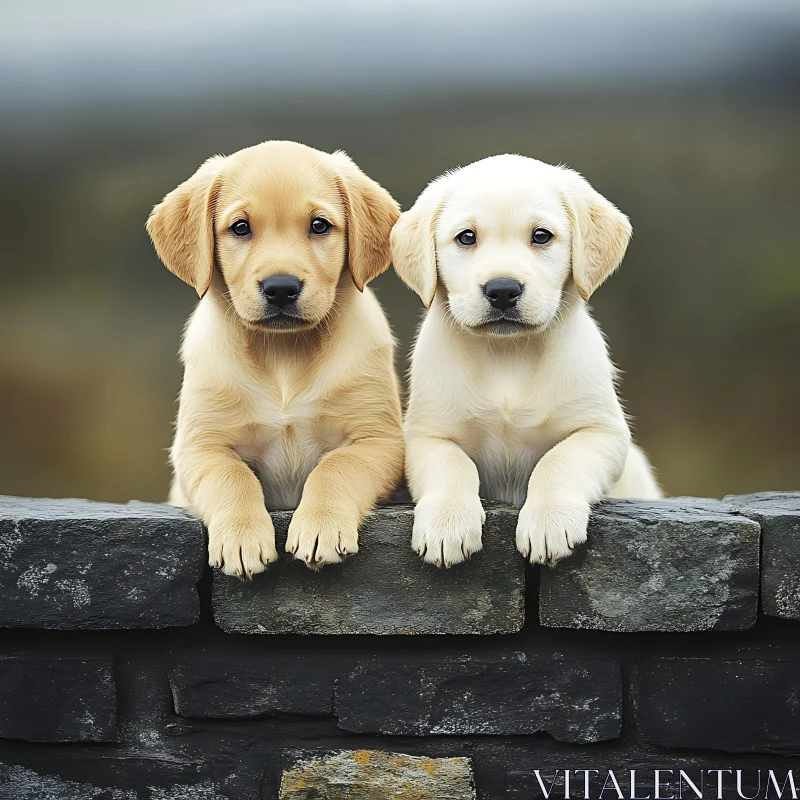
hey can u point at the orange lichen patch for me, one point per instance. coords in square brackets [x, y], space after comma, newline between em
[429, 765]
[362, 756]
[295, 785]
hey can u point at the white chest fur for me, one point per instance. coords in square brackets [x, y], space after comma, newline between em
[506, 431]
[507, 403]
[288, 435]
[285, 444]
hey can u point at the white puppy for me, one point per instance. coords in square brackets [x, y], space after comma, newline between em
[512, 390]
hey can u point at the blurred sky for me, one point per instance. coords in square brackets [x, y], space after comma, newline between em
[57, 53]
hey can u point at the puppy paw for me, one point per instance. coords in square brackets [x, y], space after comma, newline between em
[321, 536]
[549, 530]
[447, 531]
[242, 548]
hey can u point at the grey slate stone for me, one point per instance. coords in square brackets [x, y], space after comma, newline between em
[376, 775]
[384, 588]
[746, 705]
[57, 700]
[79, 564]
[779, 516]
[574, 701]
[683, 564]
[233, 687]
[132, 778]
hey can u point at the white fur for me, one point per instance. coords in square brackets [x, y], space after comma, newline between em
[530, 415]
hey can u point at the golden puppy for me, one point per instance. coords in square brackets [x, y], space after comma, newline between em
[289, 391]
[512, 389]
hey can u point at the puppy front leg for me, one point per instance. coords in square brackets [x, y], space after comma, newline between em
[340, 491]
[571, 476]
[448, 516]
[225, 493]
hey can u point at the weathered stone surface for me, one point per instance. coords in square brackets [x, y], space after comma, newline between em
[682, 564]
[134, 777]
[79, 564]
[220, 687]
[57, 700]
[385, 588]
[717, 704]
[573, 701]
[376, 775]
[779, 516]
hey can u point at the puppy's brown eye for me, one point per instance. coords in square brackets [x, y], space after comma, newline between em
[541, 236]
[241, 228]
[467, 238]
[320, 226]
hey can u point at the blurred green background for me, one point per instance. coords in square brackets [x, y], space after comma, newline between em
[686, 115]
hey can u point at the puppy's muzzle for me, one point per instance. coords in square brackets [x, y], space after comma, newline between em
[280, 291]
[503, 293]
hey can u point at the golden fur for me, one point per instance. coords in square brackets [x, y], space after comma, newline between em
[304, 416]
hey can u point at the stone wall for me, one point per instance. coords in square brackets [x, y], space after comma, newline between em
[128, 670]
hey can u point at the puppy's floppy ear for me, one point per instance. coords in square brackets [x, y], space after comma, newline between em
[414, 244]
[181, 227]
[600, 234]
[371, 213]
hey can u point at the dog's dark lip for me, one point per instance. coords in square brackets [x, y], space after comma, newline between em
[282, 322]
[508, 323]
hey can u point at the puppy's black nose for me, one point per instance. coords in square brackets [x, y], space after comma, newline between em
[281, 290]
[503, 293]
